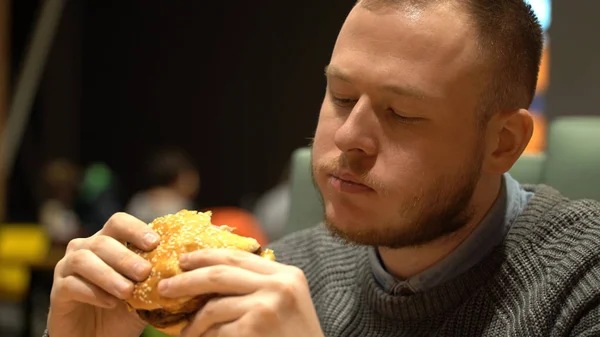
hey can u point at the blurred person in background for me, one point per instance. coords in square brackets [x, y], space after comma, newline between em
[99, 197]
[172, 183]
[272, 208]
[60, 185]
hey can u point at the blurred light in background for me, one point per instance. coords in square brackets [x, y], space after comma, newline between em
[543, 10]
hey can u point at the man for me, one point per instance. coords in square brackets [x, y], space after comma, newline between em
[423, 115]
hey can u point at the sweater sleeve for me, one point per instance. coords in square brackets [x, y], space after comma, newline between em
[588, 325]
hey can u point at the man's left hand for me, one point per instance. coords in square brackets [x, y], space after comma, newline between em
[260, 297]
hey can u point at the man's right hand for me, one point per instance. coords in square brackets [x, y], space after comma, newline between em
[94, 277]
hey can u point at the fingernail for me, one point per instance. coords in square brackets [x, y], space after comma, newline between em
[140, 268]
[123, 287]
[150, 238]
[163, 285]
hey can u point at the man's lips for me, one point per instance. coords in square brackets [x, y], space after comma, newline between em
[347, 183]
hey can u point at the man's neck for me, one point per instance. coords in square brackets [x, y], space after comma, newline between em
[407, 262]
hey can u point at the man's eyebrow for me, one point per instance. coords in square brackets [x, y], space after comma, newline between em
[401, 90]
[331, 71]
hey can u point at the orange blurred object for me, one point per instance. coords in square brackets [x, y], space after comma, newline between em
[538, 139]
[244, 222]
[544, 74]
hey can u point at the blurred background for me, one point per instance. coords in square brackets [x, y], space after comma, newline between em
[153, 106]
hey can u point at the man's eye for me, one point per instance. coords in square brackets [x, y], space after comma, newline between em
[403, 119]
[343, 102]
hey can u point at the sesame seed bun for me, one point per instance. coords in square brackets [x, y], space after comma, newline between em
[180, 233]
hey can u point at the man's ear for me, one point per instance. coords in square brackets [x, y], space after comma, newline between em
[508, 135]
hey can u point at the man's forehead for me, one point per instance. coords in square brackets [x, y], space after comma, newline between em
[412, 8]
[432, 37]
[434, 51]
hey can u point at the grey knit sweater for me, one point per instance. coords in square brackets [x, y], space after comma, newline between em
[544, 280]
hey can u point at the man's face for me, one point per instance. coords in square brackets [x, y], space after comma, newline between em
[398, 148]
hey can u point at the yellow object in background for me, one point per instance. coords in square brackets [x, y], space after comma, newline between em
[21, 245]
[14, 282]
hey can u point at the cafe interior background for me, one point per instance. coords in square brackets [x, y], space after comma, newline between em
[92, 93]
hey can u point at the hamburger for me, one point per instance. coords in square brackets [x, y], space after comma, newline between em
[180, 233]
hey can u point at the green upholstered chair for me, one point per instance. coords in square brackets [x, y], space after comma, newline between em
[306, 208]
[573, 157]
[571, 164]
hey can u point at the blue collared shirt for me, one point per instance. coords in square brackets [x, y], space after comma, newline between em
[490, 233]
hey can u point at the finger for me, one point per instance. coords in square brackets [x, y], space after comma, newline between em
[213, 331]
[75, 244]
[224, 330]
[127, 228]
[221, 279]
[77, 289]
[218, 311]
[120, 258]
[95, 271]
[231, 257]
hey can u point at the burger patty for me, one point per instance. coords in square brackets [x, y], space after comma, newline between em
[161, 318]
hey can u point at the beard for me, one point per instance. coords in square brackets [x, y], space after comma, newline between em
[436, 211]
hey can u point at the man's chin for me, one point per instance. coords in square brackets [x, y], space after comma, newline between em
[390, 237]
[351, 234]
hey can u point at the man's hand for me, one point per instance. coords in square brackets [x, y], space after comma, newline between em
[94, 277]
[260, 297]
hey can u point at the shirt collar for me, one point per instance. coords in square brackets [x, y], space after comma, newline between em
[490, 233]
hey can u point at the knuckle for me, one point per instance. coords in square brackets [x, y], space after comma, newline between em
[66, 285]
[296, 274]
[265, 309]
[78, 259]
[75, 244]
[59, 267]
[285, 289]
[215, 274]
[253, 326]
[235, 258]
[115, 219]
[98, 242]
[288, 286]
[210, 309]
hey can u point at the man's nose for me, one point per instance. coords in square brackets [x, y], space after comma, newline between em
[358, 132]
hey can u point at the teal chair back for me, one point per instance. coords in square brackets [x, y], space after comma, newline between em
[306, 208]
[571, 164]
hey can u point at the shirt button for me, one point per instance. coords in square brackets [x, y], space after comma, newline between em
[403, 291]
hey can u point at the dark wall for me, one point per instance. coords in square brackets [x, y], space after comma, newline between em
[575, 58]
[54, 126]
[238, 84]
